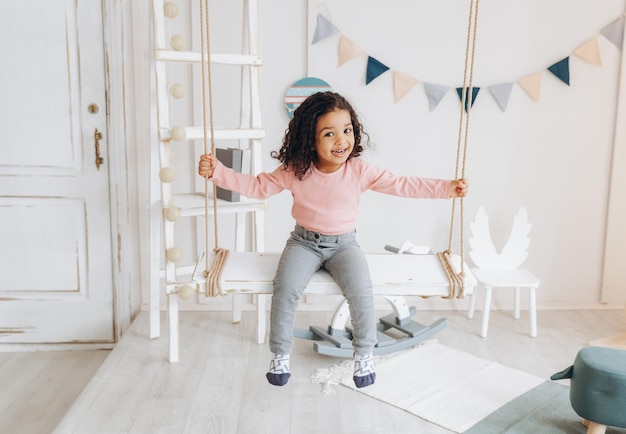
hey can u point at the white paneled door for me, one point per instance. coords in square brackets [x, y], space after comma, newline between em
[55, 233]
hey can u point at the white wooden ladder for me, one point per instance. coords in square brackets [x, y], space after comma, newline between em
[168, 207]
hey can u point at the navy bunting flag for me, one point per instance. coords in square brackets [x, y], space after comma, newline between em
[459, 91]
[374, 69]
[561, 70]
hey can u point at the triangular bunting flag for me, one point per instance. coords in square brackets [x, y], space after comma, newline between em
[402, 84]
[323, 29]
[459, 91]
[589, 51]
[501, 93]
[614, 32]
[347, 50]
[531, 85]
[374, 69]
[561, 70]
[435, 93]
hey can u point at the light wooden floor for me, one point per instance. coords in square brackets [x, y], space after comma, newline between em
[37, 388]
[219, 385]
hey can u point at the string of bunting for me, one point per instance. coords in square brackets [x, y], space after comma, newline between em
[531, 84]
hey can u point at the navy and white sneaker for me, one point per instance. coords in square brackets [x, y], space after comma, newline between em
[364, 374]
[279, 374]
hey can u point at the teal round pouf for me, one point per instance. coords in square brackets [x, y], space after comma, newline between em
[598, 385]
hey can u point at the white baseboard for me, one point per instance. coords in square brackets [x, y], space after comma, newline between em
[329, 303]
[23, 348]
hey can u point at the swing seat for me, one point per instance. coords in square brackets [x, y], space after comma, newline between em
[392, 275]
[422, 275]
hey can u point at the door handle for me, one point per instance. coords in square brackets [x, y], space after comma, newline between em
[97, 135]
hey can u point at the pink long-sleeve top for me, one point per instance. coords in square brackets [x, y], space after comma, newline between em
[328, 203]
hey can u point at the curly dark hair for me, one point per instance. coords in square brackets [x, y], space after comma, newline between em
[298, 150]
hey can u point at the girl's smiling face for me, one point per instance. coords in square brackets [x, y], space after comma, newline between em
[334, 140]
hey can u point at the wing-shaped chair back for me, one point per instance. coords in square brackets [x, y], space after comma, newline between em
[502, 270]
[482, 250]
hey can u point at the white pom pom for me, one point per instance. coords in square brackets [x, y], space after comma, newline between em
[178, 133]
[167, 174]
[185, 292]
[174, 254]
[170, 9]
[172, 213]
[177, 42]
[177, 90]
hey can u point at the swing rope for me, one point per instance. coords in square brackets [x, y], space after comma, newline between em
[457, 286]
[213, 272]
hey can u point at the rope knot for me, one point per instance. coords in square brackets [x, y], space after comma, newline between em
[214, 275]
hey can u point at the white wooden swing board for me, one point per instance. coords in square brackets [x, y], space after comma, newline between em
[404, 275]
[392, 275]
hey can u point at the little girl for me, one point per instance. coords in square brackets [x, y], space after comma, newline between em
[321, 169]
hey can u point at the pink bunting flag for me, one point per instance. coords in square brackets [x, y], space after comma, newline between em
[531, 85]
[589, 51]
[347, 50]
[402, 84]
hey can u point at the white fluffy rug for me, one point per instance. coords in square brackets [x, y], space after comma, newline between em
[447, 387]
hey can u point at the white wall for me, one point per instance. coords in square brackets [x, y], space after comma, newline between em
[552, 156]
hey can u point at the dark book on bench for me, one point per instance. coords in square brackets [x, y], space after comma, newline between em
[233, 158]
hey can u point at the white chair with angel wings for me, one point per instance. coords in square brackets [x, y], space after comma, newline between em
[502, 270]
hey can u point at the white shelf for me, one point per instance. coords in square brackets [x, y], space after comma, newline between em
[197, 133]
[192, 204]
[195, 57]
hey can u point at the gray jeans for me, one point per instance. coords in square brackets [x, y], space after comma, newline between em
[304, 254]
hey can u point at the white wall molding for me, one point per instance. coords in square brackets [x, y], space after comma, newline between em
[614, 271]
